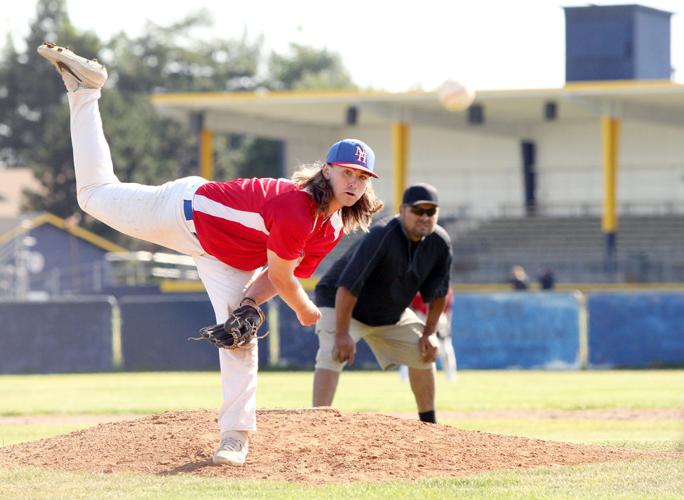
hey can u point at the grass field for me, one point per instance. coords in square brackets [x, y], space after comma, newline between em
[491, 394]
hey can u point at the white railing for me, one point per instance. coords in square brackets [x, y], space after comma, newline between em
[594, 209]
[20, 278]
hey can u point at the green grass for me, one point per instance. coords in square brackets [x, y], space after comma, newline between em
[142, 393]
[13, 434]
[490, 390]
[629, 480]
[653, 435]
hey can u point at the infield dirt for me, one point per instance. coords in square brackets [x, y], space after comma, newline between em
[305, 445]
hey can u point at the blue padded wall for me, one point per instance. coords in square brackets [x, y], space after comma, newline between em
[636, 330]
[57, 336]
[516, 330]
[155, 331]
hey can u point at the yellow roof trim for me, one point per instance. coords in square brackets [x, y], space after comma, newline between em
[13, 233]
[309, 283]
[186, 97]
[189, 286]
[48, 218]
[199, 98]
[82, 233]
[181, 286]
[621, 84]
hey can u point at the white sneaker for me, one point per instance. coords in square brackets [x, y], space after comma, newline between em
[233, 448]
[77, 72]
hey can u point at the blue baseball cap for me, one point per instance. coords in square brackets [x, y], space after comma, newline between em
[352, 153]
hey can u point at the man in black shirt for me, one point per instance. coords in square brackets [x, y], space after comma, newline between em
[366, 294]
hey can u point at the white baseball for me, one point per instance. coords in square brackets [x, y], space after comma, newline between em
[455, 96]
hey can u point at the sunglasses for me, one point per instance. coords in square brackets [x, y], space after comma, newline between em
[424, 211]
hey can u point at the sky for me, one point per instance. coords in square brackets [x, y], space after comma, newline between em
[396, 46]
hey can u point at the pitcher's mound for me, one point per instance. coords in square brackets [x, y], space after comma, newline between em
[308, 445]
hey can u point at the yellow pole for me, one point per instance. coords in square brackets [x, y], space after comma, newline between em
[206, 153]
[610, 135]
[610, 132]
[400, 145]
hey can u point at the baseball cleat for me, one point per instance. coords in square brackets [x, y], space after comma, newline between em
[233, 449]
[76, 71]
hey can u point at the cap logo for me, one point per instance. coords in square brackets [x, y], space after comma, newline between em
[361, 155]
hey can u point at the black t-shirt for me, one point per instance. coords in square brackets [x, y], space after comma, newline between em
[384, 270]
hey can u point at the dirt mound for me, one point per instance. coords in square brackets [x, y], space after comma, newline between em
[311, 446]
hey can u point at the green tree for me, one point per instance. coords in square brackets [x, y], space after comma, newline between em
[29, 88]
[169, 59]
[146, 148]
[302, 68]
[306, 67]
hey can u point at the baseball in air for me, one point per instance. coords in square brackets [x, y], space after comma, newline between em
[455, 96]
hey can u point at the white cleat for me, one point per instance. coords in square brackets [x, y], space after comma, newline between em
[76, 71]
[233, 449]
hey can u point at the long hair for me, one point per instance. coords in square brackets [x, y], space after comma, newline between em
[358, 216]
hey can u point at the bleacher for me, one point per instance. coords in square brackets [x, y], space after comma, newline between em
[649, 249]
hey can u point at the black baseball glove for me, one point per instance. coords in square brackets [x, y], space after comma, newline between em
[241, 327]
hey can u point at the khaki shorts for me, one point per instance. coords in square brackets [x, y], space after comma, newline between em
[392, 345]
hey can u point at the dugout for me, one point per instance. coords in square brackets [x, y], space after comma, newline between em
[42, 254]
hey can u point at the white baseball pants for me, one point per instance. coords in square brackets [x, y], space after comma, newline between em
[155, 214]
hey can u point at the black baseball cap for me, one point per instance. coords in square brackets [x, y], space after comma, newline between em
[420, 193]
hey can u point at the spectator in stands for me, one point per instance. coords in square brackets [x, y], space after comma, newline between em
[546, 279]
[367, 293]
[519, 279]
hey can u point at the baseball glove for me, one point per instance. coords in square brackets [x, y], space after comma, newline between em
[241, 327]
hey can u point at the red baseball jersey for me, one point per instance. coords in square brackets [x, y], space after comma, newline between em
[238, 221]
